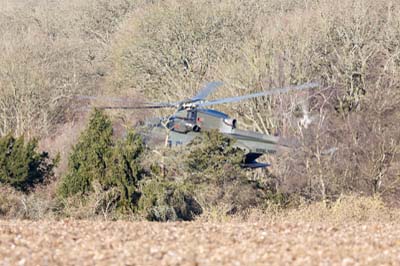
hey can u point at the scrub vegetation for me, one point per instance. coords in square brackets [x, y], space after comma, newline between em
[58, 159]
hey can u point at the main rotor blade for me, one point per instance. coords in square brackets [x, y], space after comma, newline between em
[135, 107]
[259, 94]
[104, 98]
[205, 91]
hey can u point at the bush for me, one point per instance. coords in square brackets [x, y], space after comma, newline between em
[168, 201]
[39, 204]
[10, 201]
[97, 158]
[210, 172]
[211, 152]
[125, 169]
[215, 165]
[21, 165]
[346, 209]
[87, 161]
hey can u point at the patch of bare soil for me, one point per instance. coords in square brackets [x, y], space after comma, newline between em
[73, 242]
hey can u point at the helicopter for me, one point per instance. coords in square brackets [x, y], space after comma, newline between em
[193, 116]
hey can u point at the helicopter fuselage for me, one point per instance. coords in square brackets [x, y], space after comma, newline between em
[186, 124]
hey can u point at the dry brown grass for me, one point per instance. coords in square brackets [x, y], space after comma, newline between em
[37, 205]
[346, 210]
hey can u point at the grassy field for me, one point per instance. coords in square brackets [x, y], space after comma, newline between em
[71, 242]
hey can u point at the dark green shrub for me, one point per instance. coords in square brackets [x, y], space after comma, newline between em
[97, 158]
[213, 159]
[213, 164]
[89, 156]
[211, 176]
[124, 169]
[21, 165]
[214, 153]
[168, 201]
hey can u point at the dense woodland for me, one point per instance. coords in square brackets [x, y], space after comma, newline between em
[59, 158]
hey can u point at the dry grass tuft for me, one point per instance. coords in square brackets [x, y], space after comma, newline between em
[37, 205]
[346, 210]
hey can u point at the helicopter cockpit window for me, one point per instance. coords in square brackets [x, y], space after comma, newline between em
[191, 116]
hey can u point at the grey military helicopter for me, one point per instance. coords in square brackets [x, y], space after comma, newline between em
[192, 116]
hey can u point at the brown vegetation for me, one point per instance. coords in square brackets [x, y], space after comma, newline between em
[345, 134]
[350, 142]
[50, 52]
[331, 200]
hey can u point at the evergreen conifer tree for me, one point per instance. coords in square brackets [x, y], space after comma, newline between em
[21, 166]
[89, 156]
[98, 158]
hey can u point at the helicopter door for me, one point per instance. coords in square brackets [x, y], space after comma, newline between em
[191, 121]
[191, 116]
